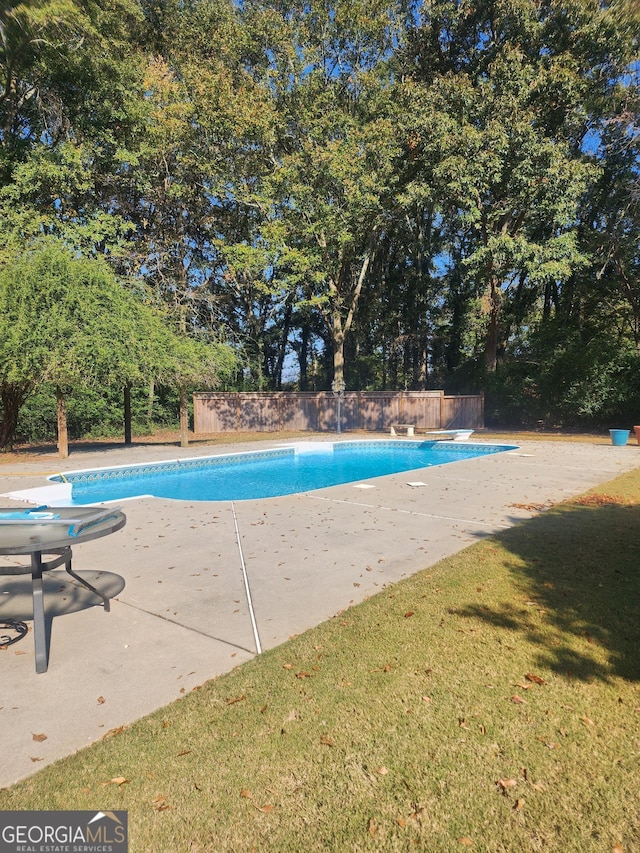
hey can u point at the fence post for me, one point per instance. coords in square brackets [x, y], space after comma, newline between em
[443, 424]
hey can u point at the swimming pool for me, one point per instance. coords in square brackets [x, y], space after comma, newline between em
[266, 473]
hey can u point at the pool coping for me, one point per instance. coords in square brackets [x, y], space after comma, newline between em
[61, 494]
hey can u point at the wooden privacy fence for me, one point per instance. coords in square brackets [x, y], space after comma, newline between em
[317, 411]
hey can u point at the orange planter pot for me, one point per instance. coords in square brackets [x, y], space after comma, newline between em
[636, 429]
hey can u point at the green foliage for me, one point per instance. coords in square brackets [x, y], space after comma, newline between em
[595, 380]
[96, 413]
[397, 195]
[67, 321]
[568, 382]
[69, 101]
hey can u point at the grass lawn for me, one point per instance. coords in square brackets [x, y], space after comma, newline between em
[490, 702]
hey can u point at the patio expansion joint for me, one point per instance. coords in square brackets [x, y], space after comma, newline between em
[488, 525]
[185, 627]
[245, 580]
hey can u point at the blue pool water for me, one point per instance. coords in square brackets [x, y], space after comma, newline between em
[264, 474]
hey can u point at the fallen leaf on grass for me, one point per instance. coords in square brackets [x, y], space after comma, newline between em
[245, 793]
[409, 613]
[117, 780]
[505, 784]
[548, 743]
[519, 805]
[531, 507]
[266, 808]
[303, 675]
[160, 803]
[39, 738]
[518, 700]
[535, 678]
[382, 771]
[236, 699]
[372, 827]
[587, 721]
[111, 732]
[326, 740]
[466, 842]
[598, 500]
[184, 752]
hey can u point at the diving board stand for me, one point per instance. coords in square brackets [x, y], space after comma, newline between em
[408, 428]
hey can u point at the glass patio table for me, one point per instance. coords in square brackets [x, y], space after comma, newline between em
[52, 531]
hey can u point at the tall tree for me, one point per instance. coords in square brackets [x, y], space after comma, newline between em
[70, 87]
[68, 321]
[500, 98]
[328, 195]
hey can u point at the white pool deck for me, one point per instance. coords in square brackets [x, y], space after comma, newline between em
[180, 613]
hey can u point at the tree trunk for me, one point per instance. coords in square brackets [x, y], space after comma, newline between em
[491, 344]
[152, 392]
[338, 328]
[303, 356]
[63, 438]
[184, 418]
[338, 351]
[127, 413]
[423, 373]
[13, 396]
[282, 347]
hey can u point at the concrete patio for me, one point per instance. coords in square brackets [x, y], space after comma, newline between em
[180, 615]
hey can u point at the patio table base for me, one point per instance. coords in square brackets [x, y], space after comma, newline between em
[37, 567]
[36, 532]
